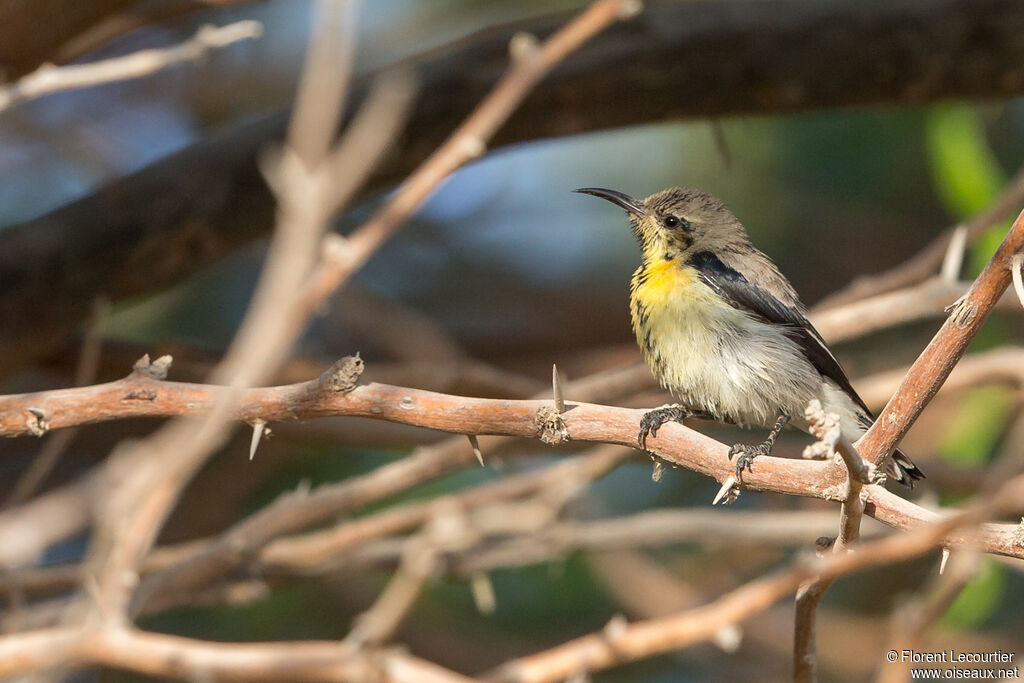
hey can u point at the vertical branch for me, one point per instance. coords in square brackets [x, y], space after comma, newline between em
[809, 594]
[144, 480]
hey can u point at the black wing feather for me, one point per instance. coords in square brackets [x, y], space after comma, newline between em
[730, 284]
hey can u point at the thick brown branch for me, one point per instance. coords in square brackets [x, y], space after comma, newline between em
[462, 415]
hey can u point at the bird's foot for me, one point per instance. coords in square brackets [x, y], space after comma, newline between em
[654, 419]
[746, 453]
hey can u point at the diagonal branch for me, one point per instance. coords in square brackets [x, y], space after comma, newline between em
[935, 363]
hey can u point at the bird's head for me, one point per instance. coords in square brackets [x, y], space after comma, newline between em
[677, 222]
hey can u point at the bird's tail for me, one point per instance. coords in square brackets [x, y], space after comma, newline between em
[902, 469]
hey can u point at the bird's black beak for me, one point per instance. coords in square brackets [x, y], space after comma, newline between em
[634, 206]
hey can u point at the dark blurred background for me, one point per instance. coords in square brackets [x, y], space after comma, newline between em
[505, 266]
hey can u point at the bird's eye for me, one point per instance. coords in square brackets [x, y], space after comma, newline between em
[672, 222]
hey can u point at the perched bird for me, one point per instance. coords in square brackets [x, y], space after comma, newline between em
[724, 331]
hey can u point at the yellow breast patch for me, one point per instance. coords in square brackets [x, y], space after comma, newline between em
[655, 283]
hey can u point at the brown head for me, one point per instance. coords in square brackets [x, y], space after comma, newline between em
[679, 222]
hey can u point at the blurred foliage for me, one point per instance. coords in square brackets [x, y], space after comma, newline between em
[967, 175]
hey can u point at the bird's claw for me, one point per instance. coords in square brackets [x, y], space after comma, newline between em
[745, 456]
[652, 421]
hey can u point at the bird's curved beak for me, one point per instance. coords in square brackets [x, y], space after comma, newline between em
[634, 206]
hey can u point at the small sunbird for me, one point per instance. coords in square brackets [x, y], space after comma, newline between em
[725, 332]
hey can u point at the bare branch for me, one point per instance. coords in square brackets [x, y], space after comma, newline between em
[928, 260]
[466, 143]
[48, 79]
[935, 363]
[464, 415]
[175, 657]
[134, 507]
[655, 636]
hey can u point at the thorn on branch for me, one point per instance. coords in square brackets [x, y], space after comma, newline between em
[336, 249]
[1015, 271]
[259, 430]
[658, 471]
[343, 376]
[471, 146]
[944, 561]
[728, 638]
[483, 592]
[475, 445]
[953, 262]
[728, 493]
[556, 389]
[615, 627]
[551, 427]
[37, 422]
[157, 369]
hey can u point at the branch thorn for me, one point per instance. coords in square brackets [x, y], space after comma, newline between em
[1015, 270]
[953, 261]
[259, 428]
[483, 592]
[556, 389]
[475, 444]
[728, 493]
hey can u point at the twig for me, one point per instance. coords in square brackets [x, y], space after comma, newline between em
[808, 596]
[168, 656]
[655, 636]
[297, 512]
[300, 554]
[924, 263]
[935, 363]
[922, 301]
[466, 143]
[146, 479]
[48, 79]
[912, 622]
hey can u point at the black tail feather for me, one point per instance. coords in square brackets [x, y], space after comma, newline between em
[903, 469]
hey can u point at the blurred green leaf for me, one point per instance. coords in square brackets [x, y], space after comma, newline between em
[979, 599]
[966, 174]
[974, 431]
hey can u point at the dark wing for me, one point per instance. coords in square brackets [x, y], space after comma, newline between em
[731, 285]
